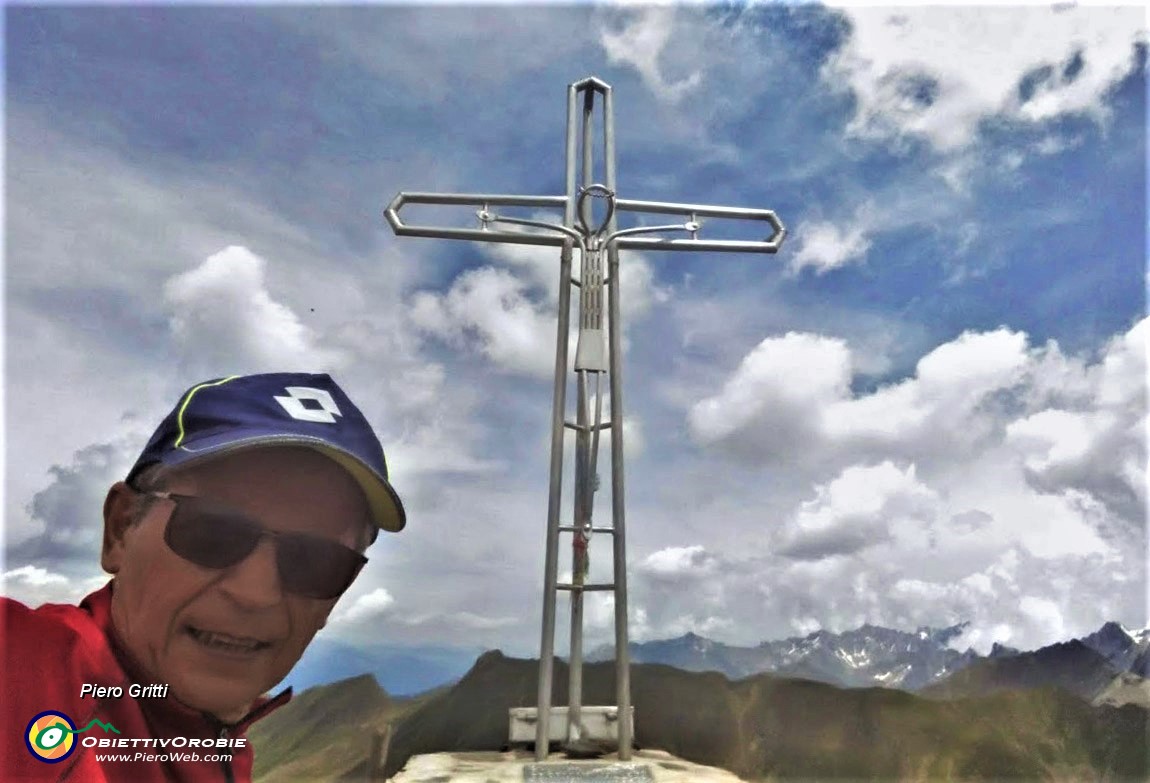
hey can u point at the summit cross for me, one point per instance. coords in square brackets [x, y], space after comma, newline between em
[586, 726]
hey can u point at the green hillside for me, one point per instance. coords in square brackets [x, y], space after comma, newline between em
[324, 731]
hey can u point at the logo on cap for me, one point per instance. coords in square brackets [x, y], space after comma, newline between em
[294, 404]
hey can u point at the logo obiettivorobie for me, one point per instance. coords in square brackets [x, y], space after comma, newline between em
[50, 736]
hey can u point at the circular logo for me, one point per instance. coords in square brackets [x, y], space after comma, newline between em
[51, 737]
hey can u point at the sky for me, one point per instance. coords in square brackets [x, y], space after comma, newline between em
[928, 408]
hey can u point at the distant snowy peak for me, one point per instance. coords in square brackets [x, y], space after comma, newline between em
[1120, 646]
[1116, 632]
[873, 655]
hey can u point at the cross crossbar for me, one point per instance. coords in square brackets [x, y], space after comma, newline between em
[769, 245]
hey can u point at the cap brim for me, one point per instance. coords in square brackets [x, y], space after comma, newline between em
[386, 508]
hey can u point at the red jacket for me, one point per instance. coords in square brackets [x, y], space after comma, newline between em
[48, 653]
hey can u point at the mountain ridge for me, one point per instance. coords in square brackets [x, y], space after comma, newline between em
[757, 727]
[866, 656]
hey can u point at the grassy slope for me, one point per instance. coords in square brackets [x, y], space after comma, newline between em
[324, 731]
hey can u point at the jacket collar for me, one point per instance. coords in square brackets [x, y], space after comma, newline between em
[169, 711]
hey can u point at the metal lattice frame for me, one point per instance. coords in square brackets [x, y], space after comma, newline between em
[593, 357]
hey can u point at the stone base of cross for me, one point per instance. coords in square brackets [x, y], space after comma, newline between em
[583, 729]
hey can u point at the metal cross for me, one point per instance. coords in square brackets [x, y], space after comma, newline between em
[593, 357]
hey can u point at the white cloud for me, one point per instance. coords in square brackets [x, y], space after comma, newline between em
[981, 394]
[1123, 370]
[489, 309]
[858, 509]
[972, 366]
[794, 389]
[634, 440]
[539, 265]
[1045, 614]
[1055, 438]
[35, 577]
[982, 640]
[641, 44]
[370, 612]
[1092, 437]
[826, 246]
[61, 522]
[1008, 595]
[638, 288]
[460, 621]
[1053, 145]
[223, 317]
[424, 418]
[996, 472]
[475, 621]
[34, 586]
[804, 626]
[676, 589]
[936, 73]
[674, 562]
[365, 608]
[441, 445]
[645, 625]
[928, 570]
[774, 394]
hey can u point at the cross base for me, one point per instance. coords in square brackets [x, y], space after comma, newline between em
[600, 726]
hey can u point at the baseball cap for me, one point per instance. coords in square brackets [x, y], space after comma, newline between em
[276, 409]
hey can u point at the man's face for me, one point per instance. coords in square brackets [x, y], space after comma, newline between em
[167, 611]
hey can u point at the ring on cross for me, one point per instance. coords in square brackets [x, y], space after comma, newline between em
[596, 191]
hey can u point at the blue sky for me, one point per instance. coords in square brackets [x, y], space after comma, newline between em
[929, 407]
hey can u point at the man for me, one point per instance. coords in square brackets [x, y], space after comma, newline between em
[229, 543]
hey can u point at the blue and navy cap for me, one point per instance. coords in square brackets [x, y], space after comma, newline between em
[276, 409]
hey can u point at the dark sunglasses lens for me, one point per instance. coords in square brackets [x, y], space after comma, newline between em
[316, 568]
[207, 538]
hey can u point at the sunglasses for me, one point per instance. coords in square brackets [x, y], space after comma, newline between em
[215, 537]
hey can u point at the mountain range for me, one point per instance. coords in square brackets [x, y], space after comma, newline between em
[762, 727]
[875, 656]
[867, 656]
